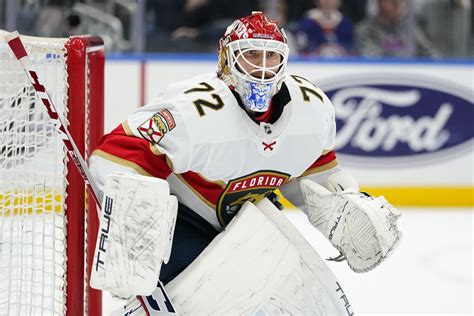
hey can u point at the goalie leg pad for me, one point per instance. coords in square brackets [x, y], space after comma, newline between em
[135, 233]
[192, 234]
[303, 284]
[260, 262]
[311, 288]
[241, 268]
[361, 227]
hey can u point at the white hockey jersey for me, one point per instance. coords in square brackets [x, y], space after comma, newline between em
[213, 154]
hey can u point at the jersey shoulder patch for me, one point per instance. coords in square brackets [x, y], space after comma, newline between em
[155, 127]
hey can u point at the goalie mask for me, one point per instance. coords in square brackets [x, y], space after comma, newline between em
[252, 59]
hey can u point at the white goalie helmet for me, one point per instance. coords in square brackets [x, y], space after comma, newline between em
[252, 59]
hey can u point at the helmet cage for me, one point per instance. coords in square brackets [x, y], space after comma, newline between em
[239, 48]
[258, 86]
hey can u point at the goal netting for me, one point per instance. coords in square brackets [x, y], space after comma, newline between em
[43, 203]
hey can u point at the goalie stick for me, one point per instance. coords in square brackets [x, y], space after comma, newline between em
[18, 49]
[16, 46]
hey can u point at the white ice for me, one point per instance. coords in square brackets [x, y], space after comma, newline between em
[430, 273]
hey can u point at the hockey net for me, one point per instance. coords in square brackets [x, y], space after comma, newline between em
[44, 222]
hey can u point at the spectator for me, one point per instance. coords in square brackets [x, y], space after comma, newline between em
[354, 9]
[198, 24]
[277, 11]
[394, 32]
[51, 19]
[453, 37]
[325, 31]
[167, 15]
[297, 8]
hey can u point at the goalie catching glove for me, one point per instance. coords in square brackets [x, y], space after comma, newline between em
[135, 234]
[363, 228]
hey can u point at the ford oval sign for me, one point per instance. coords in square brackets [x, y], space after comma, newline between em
[400, 117]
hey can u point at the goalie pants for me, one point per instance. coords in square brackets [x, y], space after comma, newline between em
[192, 234]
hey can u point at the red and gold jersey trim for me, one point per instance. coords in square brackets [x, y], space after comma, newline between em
[207, 191]
[324, 162]
[127, 129]
[155, 150]
[120, 161]
[133, 152]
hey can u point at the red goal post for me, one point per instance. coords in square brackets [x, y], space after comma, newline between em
[48, 226]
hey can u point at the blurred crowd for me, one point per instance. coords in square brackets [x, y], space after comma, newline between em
[328, 28]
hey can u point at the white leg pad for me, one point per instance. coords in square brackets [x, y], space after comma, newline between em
[238, 271]
[311, 288]
[260, 264]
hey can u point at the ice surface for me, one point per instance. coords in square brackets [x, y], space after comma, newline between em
[430, 273]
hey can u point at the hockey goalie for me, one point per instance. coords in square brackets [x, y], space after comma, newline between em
[189, 200]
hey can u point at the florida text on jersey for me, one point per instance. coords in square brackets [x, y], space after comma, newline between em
[214, 155]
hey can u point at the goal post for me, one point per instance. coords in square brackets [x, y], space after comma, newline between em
[48, 225]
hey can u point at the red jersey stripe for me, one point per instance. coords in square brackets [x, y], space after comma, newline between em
[323, 163]
[208, 191]
[135, 150]
[324, 159]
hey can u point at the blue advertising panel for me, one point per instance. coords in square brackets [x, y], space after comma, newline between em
[392, 118]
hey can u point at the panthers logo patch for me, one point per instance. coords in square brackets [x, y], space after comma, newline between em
[252, 188]
[157, 126]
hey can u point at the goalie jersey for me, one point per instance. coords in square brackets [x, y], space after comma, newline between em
[213, 154]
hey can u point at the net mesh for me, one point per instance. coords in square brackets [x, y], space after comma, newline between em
[32, 185]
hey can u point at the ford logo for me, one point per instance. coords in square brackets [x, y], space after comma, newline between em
[400, 117]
